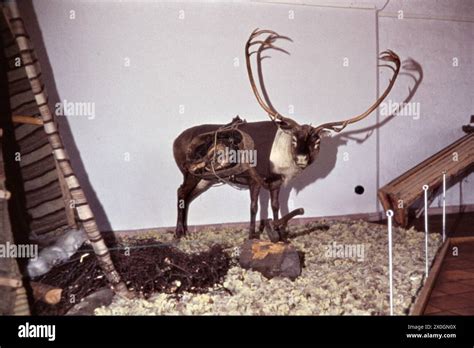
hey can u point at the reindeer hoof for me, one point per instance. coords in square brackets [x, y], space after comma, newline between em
[254, 235]
[283, 234]
[273, 235]
[180, 232]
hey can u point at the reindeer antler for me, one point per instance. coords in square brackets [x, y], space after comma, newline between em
[388, 56]
[268, 43]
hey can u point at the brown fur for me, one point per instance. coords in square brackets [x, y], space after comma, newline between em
[263, 175]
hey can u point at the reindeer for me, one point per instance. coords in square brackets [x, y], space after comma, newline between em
[284, 147]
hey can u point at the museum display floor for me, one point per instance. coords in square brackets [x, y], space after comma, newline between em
[453, 293]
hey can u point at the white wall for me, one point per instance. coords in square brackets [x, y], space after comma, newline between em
[446, 92]
[190, 62]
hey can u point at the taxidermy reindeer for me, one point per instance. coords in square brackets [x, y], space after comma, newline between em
[284, 148]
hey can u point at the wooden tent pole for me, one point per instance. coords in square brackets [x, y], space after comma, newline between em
[27, 120]
[84, 212]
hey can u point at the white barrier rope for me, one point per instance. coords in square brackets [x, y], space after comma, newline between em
[444, 206]
[389, 214]
[425, 188]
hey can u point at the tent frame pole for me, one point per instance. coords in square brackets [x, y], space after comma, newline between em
[83, 210]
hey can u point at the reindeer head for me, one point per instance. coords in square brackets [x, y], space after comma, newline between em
[305, 144]
[304, 140]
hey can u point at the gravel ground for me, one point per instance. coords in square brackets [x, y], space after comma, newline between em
[332, 282]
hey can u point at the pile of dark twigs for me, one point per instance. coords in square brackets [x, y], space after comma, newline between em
[147, 267]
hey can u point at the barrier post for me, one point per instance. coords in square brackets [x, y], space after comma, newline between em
[444, 206]
[425, 188]
[389, 214]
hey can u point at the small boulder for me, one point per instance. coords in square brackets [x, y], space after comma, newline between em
[271, 259]
[88, 304]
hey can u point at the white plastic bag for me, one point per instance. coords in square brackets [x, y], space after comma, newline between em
[59, 252]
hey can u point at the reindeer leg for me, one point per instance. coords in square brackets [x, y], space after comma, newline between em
[184, 194]
[200, 188]
[274, 194]
[261, 226]
[254, 192]
[275, 202]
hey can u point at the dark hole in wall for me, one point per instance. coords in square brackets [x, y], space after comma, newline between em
[359, 189]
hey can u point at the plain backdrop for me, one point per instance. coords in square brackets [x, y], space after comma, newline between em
[187, 67]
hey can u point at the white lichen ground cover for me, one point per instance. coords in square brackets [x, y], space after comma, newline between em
[329, 284]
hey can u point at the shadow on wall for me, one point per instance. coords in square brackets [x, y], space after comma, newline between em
[34, 30]
[324, 164]
[326, 160]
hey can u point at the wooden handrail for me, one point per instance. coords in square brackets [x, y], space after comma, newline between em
[4, 194]
[27, 120]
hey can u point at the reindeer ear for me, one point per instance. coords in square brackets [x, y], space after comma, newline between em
[284, 125]
[318, 135]
[324, 133]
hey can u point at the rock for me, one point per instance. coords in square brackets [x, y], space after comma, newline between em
[271, 259]
[102, 297]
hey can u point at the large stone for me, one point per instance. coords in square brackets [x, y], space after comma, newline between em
[271, 259]
[88, 304]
